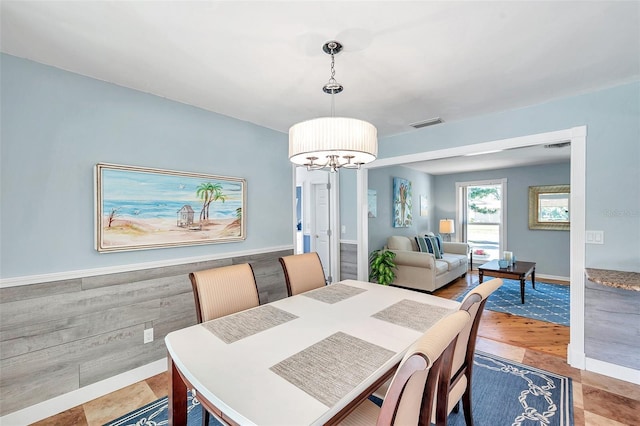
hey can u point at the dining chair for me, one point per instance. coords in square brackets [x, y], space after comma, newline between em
[302, 272]
[459, 386]
[411, 394]
[223, 291]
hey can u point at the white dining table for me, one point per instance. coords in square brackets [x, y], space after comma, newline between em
[303, 360]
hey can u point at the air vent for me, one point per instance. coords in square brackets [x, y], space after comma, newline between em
[558, 145]
[430, 122]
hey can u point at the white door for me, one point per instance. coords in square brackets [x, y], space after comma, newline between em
[320, 236]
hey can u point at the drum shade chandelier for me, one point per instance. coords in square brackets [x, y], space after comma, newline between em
[332, 142]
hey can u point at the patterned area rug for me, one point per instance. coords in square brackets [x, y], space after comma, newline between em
[504, 393]
[548, 302]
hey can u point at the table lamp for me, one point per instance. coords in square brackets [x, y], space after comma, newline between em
[447, 227]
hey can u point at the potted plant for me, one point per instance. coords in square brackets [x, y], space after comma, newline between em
[381, 266]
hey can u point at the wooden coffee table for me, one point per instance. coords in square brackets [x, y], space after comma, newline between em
[518, 271]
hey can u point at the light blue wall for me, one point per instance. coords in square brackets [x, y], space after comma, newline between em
[612, 117]
[57, 125]
[549, 249]
[381, 226]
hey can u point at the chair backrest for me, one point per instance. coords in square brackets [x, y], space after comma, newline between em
[411, 393]
[473, 303]
[302, 272]
[223, 291]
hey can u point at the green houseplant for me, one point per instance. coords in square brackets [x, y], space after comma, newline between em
[381, 266]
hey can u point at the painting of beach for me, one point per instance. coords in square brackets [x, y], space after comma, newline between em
[143, 208]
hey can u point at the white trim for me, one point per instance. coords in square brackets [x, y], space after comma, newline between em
[334, 225]
[57, 276]
[612, 370]
[60, 403]
[362, 206]
[552, 277]
[577, 136]
[349, 242]
[578, 227]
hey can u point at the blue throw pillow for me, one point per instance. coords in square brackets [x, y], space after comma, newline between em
[429, 245]
[440, 243]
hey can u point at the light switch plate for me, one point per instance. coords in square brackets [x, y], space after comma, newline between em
[148, 335]
[594, 237]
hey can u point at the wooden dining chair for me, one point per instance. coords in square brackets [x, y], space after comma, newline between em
[411, 395]
[302, 272]
[223, 291]
[459, 386]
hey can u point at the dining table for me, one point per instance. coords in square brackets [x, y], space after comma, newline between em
[307, 359]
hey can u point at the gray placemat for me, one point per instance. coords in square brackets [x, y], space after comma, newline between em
[333, 293]
[234, 327]
[411, 314]
[331, 368]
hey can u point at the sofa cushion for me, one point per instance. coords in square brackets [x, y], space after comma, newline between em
[454, 260]
[399, 243]
[441, 267]
[429, 245]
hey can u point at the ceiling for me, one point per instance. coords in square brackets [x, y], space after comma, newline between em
[403, 62]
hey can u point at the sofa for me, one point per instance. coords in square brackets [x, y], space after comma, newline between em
[421, 270]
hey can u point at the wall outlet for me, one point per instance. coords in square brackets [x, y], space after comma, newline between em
[148, 335]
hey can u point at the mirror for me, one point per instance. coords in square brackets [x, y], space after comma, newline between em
[549, 207]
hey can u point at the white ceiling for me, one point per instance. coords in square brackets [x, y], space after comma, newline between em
[403, 62]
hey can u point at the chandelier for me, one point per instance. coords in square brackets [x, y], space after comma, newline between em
[332, 142]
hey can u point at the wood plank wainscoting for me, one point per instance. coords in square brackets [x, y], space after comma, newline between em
[57, 337]
[348, 260]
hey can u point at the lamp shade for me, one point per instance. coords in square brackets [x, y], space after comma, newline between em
[354, 140]
[447, 226]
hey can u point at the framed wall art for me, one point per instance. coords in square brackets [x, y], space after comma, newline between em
[424, 207]
[549, 207]
[143, 208]
[372, 203]
[402, 203]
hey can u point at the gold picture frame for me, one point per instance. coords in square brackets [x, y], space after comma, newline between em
[549, 207]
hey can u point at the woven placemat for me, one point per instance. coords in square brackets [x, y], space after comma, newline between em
[237, 326]
[334, 366]
[411, 314]
[333, 293]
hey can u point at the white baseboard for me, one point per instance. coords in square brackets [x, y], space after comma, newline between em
[56, 405]
[552, 277]
[612, 370]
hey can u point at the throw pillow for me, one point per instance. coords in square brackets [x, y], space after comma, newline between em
[429, 245]
[440, 243]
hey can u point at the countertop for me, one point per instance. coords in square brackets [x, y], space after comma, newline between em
[617, 279]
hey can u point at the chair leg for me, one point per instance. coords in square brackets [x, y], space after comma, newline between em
[466, 405]
[205, 417]
[456, 408]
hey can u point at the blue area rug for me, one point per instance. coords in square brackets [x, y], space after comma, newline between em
[504, 393]
[548, 302]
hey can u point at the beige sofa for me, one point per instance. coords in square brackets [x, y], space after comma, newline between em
[422, 271]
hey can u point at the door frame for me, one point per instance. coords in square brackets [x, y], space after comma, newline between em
[334, 215]
[578, 138]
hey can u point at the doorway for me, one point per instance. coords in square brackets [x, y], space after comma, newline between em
[577, 136]
[319, 216]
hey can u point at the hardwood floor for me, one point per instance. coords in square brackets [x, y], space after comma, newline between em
[597, 400]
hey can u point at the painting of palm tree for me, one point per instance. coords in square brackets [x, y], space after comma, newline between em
[402, 203]
[140, 208]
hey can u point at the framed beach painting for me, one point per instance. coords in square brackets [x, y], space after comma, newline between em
[402, 204]
[143, 208]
